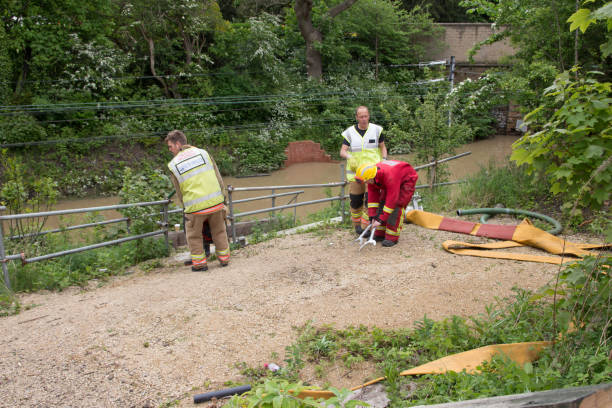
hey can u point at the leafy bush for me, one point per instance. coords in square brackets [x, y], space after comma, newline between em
[570, 141]
[509, 185]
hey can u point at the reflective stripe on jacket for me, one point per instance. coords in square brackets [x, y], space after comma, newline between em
[197, 179]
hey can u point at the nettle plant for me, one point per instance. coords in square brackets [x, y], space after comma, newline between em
[570, 141]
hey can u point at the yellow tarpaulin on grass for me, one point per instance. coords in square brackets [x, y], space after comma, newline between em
[520, 353]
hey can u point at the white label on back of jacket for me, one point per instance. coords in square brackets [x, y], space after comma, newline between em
[190, 164]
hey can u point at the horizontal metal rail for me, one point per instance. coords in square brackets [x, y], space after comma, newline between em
[94, 246]
[336, 184]
[244, 200]
[323, 200]
[447, 183]
[73, 227]
[281, 207]
[81, 210]
[441, 161]
[4, 258]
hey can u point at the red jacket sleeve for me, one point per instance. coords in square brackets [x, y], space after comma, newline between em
[374, 197]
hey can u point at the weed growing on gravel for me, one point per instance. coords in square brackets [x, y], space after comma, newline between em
[575, 312]
[9, 304]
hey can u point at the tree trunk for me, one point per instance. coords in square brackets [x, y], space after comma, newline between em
[576, 41]
[312, 36]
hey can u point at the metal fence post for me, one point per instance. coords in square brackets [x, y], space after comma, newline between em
[295, 210]
[342, 200]
[166, 225]
[451, 79]
[272, 213]
[231, 212]
[2, 254]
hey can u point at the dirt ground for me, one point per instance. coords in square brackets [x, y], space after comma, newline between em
[158, 337]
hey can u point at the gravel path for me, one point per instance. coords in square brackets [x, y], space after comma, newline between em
[147, 339]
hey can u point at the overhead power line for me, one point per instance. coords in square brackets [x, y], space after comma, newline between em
[10, 110]
[210, 131]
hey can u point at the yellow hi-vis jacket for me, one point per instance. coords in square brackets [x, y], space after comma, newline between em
[195, 173]
[364, 150]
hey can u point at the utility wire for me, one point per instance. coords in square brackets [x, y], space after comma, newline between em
[211, 131]
[212, 74]
[11, 110]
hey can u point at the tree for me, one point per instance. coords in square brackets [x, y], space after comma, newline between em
[312, 35]
[381, 32]
[5, 68]
[584, 17]
[171, 35]
[39, 36]
[442, 11]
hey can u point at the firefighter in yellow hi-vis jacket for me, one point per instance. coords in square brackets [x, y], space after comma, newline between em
[363, 143]
[199, 187]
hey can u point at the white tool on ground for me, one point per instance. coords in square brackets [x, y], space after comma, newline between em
[363, 235]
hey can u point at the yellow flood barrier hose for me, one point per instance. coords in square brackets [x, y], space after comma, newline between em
[524, 234]
[469, 361]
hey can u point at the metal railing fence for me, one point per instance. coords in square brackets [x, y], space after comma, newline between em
[233, 216]
[4, 258]
[165, 213]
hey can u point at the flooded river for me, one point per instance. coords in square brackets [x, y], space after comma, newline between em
[495, 149]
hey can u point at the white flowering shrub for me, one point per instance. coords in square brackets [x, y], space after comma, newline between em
[474, 101]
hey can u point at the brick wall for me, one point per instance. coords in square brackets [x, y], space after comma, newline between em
[305, 151]
[458, 38]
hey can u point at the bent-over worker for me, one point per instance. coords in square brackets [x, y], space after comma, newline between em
[199, 188]
[390, 188]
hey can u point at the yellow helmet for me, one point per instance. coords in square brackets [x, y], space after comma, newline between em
[365, 172]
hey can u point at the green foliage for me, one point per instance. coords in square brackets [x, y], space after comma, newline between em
[584, 17]
[6, 68]
[23, 192]
[9, 303]
[431, 134]
[280, 393]
[509, 185]
[570, 141]
[143, 187]
[584, 294]
[473, 102]
[377, 31]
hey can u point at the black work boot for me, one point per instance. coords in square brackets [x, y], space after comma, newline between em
[387, 243]
[199, 268]
[358, 229]
[379, 238]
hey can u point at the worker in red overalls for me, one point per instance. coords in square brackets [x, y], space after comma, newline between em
[390, 188]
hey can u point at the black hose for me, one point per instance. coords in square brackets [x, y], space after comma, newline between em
[488, 212]
[220, 393]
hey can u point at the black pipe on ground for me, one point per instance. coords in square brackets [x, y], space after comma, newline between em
[220, 393]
